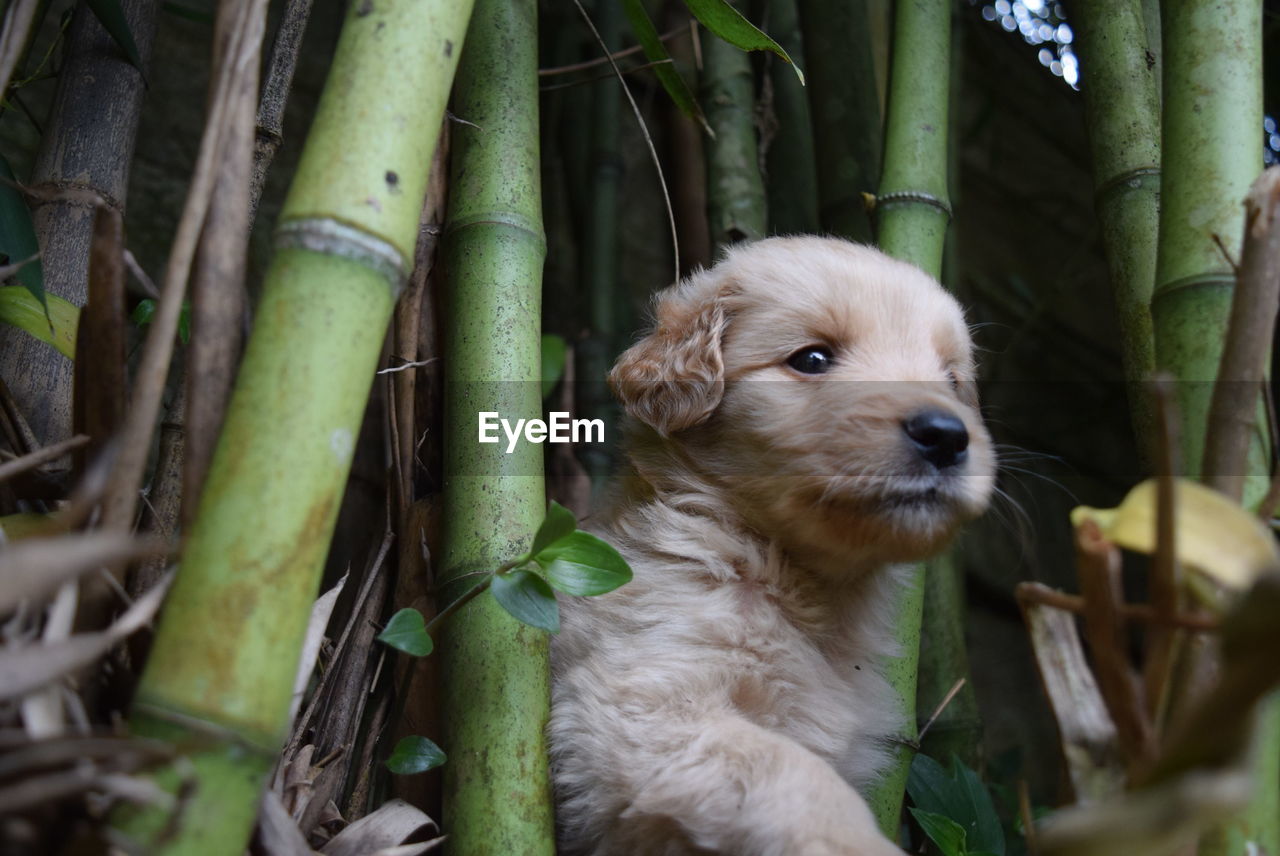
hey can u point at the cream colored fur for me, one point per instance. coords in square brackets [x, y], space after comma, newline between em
[728, 700]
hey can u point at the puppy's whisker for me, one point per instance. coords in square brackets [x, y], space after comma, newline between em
[1010, 514]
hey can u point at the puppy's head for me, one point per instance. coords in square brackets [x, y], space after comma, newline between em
[825, 390]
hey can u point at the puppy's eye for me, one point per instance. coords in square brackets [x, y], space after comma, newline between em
[953, 380]
[811, 360]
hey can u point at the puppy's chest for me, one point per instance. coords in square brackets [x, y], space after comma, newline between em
[805, 669]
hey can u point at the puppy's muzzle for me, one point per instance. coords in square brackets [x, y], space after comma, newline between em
[939, 437]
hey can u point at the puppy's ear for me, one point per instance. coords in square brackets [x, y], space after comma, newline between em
[673, 378]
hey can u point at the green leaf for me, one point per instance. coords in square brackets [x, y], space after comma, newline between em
[958, 794]
[582, 564]
[554, 351]
[668, 75]
[528, 598]
[109, 13]
[559, 523]
[942, 831]
[406, 631]
[727, 23]
[415, 754]
[146, 310]
[142, 313]
[18, 237]
[58, 328]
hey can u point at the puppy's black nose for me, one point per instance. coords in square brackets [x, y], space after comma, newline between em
[939, 437]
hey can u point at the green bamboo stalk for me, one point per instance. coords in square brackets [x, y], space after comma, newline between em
[792, 178]
[913, 213]
[1212, 152]
[221, 671]
[600, 251]
[845, 106]
[735, 190]
[1122, 100]
[497, 683]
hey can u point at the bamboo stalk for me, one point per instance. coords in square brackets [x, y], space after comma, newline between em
[497, 683]
[845, 105]
[218, 296]
[220, 676]
[913, 213]
[84, 148]
[1212, 153]
[735, 190]
[275, 92]
[599, 271]
[1122, 100]
[791, 177]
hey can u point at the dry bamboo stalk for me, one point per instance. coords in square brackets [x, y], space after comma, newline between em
[217, 284]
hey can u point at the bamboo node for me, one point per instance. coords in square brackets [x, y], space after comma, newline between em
[1131, 179]
[334, 238]
[884, 200]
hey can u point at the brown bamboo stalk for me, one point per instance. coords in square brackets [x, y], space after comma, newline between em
[120, 502]
[218, 296]
[275, 93]
[84, 148]
[100, 373]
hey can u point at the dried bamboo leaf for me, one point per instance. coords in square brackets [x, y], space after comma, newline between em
[320, 613]
[23, 670]
[278, 834]
[393, 823]
[33, 568]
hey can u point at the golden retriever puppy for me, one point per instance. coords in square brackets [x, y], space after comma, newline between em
[803, 418]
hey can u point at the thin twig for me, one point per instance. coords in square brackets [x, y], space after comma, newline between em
[598, 77]
[942, 705]
[415, 364]
[644, 130]
[13, 38]
[1140, 612]
[1165, 584]
[1028, 820]
[30, 461]
[601, 60]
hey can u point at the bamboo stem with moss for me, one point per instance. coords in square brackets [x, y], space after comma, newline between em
[845, 105]
[497, 683]
[220, 676]
[913, 214]
[1122, 100]
[1212, 152]
[735, 190]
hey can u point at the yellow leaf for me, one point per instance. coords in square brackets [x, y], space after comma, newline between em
[1215, 536]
